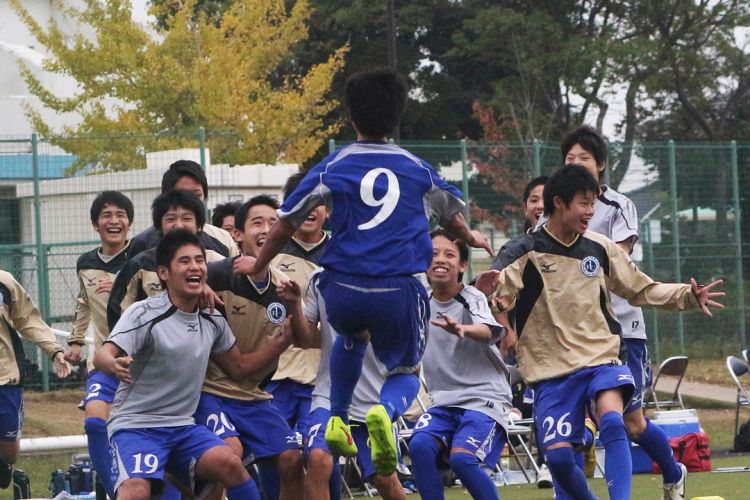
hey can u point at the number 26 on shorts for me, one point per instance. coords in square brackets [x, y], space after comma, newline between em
[552, 429]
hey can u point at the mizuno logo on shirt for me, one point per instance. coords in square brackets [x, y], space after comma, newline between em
[192, 327]
[286, 267]
[238, 309]
[547, 268]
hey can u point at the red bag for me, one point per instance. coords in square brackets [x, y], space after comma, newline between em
[691, 450]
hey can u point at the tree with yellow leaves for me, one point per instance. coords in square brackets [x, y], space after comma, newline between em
[158, 85]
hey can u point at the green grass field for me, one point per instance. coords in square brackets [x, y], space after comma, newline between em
[55, 413]
[645, 486]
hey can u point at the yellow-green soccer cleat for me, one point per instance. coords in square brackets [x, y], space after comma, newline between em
[339, 438]
[382, 441]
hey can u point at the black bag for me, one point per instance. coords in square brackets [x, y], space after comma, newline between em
[742, 439]
[21, 485]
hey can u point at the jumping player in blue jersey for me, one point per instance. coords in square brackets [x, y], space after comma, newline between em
[380, 199]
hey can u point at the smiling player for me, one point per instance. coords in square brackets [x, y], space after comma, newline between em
[569, 344]
[466, 378]
[111, 217]
[160, 349]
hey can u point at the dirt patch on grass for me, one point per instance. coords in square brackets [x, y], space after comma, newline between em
[709, 371]
[53, 413]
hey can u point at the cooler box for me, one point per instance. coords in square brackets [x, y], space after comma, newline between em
[674, 423]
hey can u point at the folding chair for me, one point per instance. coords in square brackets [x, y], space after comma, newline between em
[738, 368]
[674, 367]
[521, 434]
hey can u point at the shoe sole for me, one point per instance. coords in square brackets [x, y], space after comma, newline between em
[544, 484]
[335, 446]
[382, 443]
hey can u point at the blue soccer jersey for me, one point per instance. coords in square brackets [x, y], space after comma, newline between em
[381, 198]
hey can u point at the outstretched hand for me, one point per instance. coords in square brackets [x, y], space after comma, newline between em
[488, 281]
[449, 325]
[61, 366]
[705, 296]
[289, 291]
[480, 241]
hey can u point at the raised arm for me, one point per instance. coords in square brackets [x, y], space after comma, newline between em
[627, 281]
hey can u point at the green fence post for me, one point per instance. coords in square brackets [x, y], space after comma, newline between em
[465, 189]
[649, 261]
[537, 158]
[676, 236]
[41, 256]
[202, 145]
[331, 146]
[738, 241]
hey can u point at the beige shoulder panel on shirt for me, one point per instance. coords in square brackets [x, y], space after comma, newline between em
[23, 316]
[224, 237]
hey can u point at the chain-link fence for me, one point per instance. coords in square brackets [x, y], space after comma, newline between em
[46, 190]
[689, 199]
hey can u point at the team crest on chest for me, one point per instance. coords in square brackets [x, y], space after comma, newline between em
[590, 266]
[276, 313]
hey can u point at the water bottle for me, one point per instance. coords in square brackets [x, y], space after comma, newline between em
[57, 483]
[21, 485]
[74, 478]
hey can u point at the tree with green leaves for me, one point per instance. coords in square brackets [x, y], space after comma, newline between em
[220, 71]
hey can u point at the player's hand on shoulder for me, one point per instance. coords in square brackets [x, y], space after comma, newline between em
[62, 368]
[122, 369]
[244, 265]
[480, 241]
[104, 285]
[289, 291]
[449, 325]
[209, 299]
[73, 354]
[705, 296]
[488, 281]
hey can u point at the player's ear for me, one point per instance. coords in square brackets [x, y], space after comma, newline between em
[163, 273]
[559, 203]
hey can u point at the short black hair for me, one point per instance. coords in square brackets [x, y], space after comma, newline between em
[536, 181]
[589, 139]
[180, 169]
[292, 182]
[463, 248]
[375, 101]
[567, 182]
[115, 198]
[173, 241]
[240, 217]
[223, 210]
[178, 198]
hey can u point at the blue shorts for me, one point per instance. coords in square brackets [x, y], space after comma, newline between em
[468, 429]
[260, 427]
[101, 386]
[393, 309]
[292, 400]
[11, 412]
[560, 403]
[640, 366]
[315, 439]
[148, 453]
